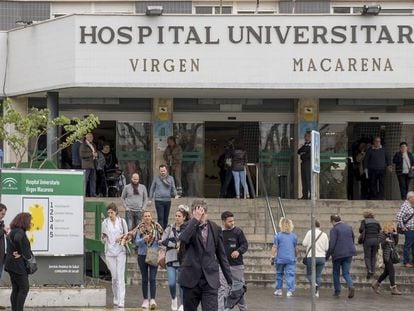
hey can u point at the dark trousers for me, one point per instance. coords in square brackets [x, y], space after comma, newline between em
[376, 184]
[370, 253]
[404, 183]
[163, 211]
[305, 172]
[101, 182]
[90, 182]
[20, 289]
[388, 271]
[226, 181]
[203, 293]
[151, 271]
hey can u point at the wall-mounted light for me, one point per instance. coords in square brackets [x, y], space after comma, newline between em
[154, 10]
[371, 9]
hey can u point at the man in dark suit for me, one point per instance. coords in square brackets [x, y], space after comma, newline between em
[204, 252]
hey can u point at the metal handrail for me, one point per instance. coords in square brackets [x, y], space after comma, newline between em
[268, 206]
[279, 200]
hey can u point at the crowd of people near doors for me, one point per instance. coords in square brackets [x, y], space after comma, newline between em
[371, 162]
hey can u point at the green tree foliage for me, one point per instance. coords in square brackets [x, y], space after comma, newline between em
[17, 130]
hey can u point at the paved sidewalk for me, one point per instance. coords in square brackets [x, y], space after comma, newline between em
[262, 299]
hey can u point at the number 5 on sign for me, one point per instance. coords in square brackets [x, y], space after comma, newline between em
[316, 152]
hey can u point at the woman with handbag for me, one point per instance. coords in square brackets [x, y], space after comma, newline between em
[148, 235]
[18, 254]
[369, 230]
[170, 241]
[321, 247]
[388, 239]
[114, 228]
[404, 168]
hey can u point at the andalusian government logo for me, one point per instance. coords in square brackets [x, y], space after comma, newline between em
[9, 183]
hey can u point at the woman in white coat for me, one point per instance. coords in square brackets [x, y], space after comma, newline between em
[114, 229]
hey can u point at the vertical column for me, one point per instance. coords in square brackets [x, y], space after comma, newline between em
[307, 118]
[20, 104]
[52, 99]
[162, 127]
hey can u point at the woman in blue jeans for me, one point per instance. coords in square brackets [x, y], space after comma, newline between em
[238, 162]
[170, 241]
[148, 234]
[321, 247]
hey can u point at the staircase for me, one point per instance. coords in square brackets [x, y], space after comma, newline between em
[252, 217]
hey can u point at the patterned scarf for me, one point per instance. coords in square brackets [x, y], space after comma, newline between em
[153, 230]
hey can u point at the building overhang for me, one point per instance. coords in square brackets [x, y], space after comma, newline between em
[211, 56]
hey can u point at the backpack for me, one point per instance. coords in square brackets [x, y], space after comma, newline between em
[182, 249]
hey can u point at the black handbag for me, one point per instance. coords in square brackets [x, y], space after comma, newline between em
[30, 264]
[411, 174]
[394, 257]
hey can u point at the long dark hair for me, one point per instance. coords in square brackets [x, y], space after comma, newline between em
[22, 220]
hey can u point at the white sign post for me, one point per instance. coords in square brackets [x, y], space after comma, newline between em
[316, 168]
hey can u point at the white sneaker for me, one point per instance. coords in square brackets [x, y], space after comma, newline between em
[317, 294]
[174, 304]
[278, 292]
[145, 304]
[115, 302]
[289, 294]
[153, 304]
[181, 308]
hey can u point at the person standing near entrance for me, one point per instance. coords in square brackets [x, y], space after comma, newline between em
[235, 245]
[342, 249]
[376, 161]
[88, 154]
[305, 167]
[405, 220]
[238, 163]
[162, 190]
[173, 155]
[404, 162]
[134, 198]
[369, 230]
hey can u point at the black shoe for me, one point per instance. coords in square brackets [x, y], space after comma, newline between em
[369, 274]
[351, 292]
[336, 294]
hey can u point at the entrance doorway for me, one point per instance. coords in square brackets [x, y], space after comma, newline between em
[217, 136]
[360, 135]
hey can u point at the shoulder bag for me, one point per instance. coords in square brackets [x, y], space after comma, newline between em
[152, 251]
[394, 257]
[399, 229]
[304, 261]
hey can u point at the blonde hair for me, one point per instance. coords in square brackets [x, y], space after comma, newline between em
[388, 227]
[286, 225]
[368, 213]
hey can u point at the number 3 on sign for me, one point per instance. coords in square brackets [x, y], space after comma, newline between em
[51, 220]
